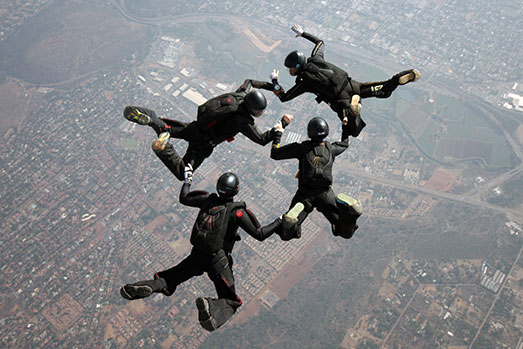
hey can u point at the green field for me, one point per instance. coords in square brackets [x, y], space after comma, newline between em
[462, 121]
[406, 93]
[428, 107]
[474, 117]
[425, 140]
[449, 108]
[363, 72]
[501, 155]
[401, 106]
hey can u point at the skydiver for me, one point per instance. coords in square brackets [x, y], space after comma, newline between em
[316, 157]
[213, 236]
[219, 119]
[332, 84]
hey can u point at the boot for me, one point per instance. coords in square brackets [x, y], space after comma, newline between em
[159, 144]
[204, 314]
[355, 105]
[142, 289]
[349, 203]
[291, 217]
[349, 211]
[134, 114]
[289, 228]
[407, 76]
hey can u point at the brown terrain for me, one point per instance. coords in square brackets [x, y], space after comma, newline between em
[17, 102]
[442, 180]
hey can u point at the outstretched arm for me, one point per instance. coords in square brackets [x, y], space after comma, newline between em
[192, 198]
[342, 145]
[252, 132]
[248, 222]
[298, 89]
[249, 84]
[289, 151]
[318, 48]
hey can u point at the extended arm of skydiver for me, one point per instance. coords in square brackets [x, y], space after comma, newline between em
[248, 222]
[289, 151]
[342, 145]
[298, 89]
[249, 84]
[318, 48]
[190, 198]
[252, 131]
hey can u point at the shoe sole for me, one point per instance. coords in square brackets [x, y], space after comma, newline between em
[355, 105]
[164, 137]
[204, 312]
[291, 217]
[203, 308]
[355, 100]
[136, 292]
[411, 76]
[348, 201]
[124, 294]
[134, 115]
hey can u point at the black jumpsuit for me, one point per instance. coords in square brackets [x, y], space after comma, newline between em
[218, 266]
[345, 89]
[321, 198]
[202, 143]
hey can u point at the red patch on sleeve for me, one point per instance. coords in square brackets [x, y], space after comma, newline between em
[239, 214]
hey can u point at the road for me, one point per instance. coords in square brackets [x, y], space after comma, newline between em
[496, 299]
[401, 315]
[438, 194]
[352, 51]
[471, 198]
[480, 190]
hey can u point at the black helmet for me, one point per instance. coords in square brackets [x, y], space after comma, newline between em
[228, 185]
[295, 59]
[317, 129]
[255, 100]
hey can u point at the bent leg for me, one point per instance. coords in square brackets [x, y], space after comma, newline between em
[142, 289]
[175, 128]
[171, 159]
[165, 281]
[189, 267]
[351, 119]
[223, 308]
[298, 211]
[144, 116]
[348, 108]
[349, 210]
[212, 312]
[326, 205]
[196, 153]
